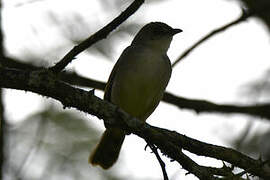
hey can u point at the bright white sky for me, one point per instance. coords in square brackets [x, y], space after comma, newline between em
[215, 71]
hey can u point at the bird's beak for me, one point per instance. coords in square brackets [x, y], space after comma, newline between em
[176, 31]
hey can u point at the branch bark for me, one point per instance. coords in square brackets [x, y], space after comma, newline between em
[199, 106]
[170, 143]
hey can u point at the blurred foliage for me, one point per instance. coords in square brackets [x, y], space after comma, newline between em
[75, 28]
[258, 89]
[253, 142]
[257, 145]
[261, 8]
[66, 28]
[72, 26]
[52, 145]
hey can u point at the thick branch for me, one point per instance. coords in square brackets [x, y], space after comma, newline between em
[101, 34]
[199, 106]
[218, 152]
[170, 143]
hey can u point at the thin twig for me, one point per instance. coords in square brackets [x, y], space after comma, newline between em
[162, 164]
[243, 17]
[101, 34]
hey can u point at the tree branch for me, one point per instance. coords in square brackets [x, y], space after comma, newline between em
[170, 143]
[218, 152]
[199, 106]
[259, 110]
[101, 34]
[161, 163]
[242, 18]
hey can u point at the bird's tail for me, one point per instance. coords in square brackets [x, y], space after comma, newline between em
[108, 149]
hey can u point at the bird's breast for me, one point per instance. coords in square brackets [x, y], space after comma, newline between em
[140, 82]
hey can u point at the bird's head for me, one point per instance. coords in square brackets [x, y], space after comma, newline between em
[156, 35]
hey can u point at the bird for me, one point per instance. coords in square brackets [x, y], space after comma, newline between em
[136, 85]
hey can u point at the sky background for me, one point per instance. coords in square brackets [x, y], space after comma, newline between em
[218, 70]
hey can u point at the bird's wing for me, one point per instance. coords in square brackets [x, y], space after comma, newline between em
[108, 88]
